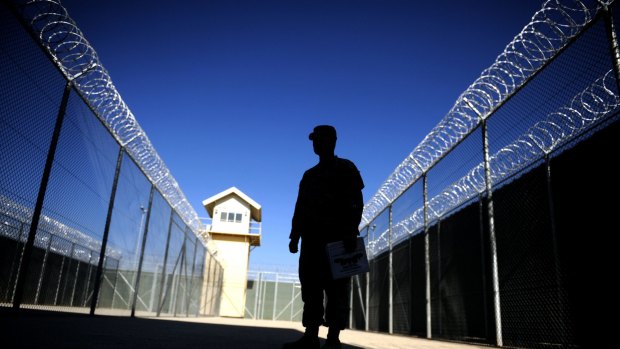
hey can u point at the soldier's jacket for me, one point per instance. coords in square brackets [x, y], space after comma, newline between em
[329, 204]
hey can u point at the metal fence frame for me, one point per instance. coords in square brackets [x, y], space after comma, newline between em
[523, 59]
[181, 289]
[266, 299]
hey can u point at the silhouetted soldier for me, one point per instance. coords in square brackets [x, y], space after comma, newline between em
[329, 208]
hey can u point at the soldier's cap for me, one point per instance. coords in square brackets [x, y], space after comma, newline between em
[326, 131]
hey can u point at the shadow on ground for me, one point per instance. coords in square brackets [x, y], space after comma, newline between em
[40, 329]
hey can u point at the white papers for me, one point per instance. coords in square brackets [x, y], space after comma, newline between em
[344, 264]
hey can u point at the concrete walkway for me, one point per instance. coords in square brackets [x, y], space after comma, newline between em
[39, 329]
[353, 339]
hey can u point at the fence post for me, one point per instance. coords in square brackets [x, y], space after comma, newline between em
[106, 231]
[263, 299]
[351, 301]
[492, 237]
[275, 298]
[64, 288]
[163, 269]
[176, 280]
[62, 267]
[90, 272]
[371, 229]
[554, 233]
[263, 290]
[390, 275]
[367, 301]
[257, 295]
[75, 281]
[20, 282]
[211, 283]
[204, 280]
[42, 273]
[191, 279]
[142, 247]
[17, 258]
[483, 265]
[213, 277]
[154, 287]
[292, 301]
[427, 258]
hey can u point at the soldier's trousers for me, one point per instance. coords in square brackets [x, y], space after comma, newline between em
[316, 282]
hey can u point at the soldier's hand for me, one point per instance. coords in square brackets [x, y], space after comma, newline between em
[292, 246]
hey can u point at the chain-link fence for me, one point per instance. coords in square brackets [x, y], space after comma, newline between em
[90, 219]
[273, 296]
[496, 229]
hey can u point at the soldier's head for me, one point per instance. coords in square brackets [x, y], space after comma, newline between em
[323, 140]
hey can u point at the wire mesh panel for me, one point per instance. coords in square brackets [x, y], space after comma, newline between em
[78, 193]
[585, 221]
[173, 267]
[534, 309]
[253, 295]
[378, 307]
[84, 282]
[435, 278]
[32, 89]
[110, 279]
[457, 270]
[418, 285]
[71, 282]
[359, 302]
[266, 300]
[402, 288]
[37, 268]
[11, 246]
[287, 296]
[77, 197]
[197, 279]
[52, 278]
[273, 296]
[184, 282]
[126, 229]
[218, 281]
[154, 251]
[251, 298]
[212, 286]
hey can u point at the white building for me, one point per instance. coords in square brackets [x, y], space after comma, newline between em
[234, 228]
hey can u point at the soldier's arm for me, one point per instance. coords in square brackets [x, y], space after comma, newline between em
[297, 223]
[356, 206]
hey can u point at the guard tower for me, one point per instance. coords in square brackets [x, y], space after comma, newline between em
[235, 227]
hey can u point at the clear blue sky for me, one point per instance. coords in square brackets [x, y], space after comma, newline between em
[228, 90]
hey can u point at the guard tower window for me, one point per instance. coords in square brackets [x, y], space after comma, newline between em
[230, 217]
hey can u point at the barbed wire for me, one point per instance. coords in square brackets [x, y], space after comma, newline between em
[583, 111]
[80, 64]
[15, 221]
[549, 30]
